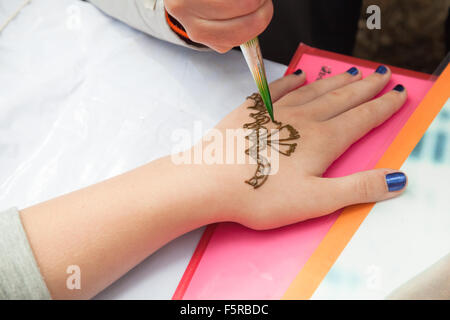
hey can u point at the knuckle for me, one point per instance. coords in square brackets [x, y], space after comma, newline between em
[379, 110]
[370, 117]
[301, 115]
[335, 93]
[368, 111]
[383, 103]
[363, 188]
[342, 94]
[314, 89]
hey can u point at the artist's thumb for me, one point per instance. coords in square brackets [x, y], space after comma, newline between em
[363, 187]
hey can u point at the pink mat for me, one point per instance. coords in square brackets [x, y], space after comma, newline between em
[239, 263]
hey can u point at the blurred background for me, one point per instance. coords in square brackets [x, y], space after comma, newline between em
[414, 34]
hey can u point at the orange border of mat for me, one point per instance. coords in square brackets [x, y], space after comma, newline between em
[326, 254]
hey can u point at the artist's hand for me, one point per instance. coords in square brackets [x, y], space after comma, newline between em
[221, 24]
[329, 115]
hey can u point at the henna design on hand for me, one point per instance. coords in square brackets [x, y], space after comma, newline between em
[260, 138]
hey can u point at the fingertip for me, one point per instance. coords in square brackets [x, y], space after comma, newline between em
[398, 94]
[352, 74]
[396, 181]
[298, 72]
[298, 77]
[399, 88]
[353, 71]
[400, 91]
[382, 70]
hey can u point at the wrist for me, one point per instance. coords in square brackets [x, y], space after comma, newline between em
[191, 192]
[215, 192]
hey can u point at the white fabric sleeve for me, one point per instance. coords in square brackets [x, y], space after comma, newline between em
[20, 277]
[147, 16]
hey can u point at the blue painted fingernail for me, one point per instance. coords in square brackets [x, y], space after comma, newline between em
[381, 70]
[399, 88]
[395, 181]
[353, 71]
[298, 72]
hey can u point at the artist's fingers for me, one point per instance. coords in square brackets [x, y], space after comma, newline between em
[284, 85]
[362, 187]
[214, 10]
[231, 32]
[317, 88]
[343, 130]
[340, 100]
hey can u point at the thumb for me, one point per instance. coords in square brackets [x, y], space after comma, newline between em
[362, 187]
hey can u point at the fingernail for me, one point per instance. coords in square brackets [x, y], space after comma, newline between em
[353, 71]
[298, 72]
[395, 181]
[399, 88]
[381, 70]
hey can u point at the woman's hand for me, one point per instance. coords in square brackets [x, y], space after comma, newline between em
[221, 24]
[329, 115]
[108, 228]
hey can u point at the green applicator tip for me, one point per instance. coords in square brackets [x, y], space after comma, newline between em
[255, 62]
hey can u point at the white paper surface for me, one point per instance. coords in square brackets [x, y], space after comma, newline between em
[84, 97]
[8, 9]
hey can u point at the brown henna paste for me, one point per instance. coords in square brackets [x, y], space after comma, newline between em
[260, 138]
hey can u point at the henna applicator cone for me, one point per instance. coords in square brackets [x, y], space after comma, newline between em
[255, 62]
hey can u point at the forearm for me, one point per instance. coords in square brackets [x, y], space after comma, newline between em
[108, 228]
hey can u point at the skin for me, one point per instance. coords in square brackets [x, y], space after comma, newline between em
[221, 24]
[109, 227]
[432, 284]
